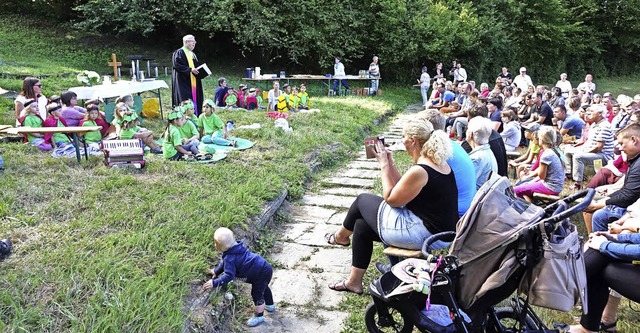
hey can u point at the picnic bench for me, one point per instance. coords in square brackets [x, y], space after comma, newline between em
[75, 131]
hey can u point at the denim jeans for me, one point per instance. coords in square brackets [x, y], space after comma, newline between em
[602, 217]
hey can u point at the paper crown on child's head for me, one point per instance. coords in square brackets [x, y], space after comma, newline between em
[93, 107]
[208, 102]
[175, 114]
[53, 107]
[130, 117]
[187, 105]
[29, 102]
[95, 101]
[285, 86]
[55, 98]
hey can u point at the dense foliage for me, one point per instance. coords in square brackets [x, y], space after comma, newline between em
[597, 36]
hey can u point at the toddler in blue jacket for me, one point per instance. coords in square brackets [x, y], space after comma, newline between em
[239, 262]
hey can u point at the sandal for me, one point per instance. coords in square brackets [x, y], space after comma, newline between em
[331, 239]
[611, 327]
[342, 286]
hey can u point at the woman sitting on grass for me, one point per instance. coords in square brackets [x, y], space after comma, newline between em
[71, 112]
[31, 89]
[548, 178]
[414, 206]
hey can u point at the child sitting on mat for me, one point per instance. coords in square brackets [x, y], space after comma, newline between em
[239, 262]
[130, 129]
[213, 129]
[230, 99]
[172, 146]
[30, 117]
[189, 111]
[251, 102]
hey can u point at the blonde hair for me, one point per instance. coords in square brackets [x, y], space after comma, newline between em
[549, 137]
[225, 239]
[116, 111]
[435, 144]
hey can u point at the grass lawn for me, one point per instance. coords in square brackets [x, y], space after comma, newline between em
[99, 249]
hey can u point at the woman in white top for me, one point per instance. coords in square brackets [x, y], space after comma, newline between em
[564, 85]
[31, 89]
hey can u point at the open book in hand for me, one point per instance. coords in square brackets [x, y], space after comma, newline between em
[370, 145]
[203, 70]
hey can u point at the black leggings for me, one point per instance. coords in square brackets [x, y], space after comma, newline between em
[604, 272]
[362, 220]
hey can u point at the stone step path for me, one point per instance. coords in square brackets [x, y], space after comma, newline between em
[304, 264]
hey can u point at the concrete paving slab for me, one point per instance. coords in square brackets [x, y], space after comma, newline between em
[369, 164]
[291, 255]
[319, 321]
[331, 260]
[337, 218]
[343, 191]
[366, 174]
[328, 200]
[293, 231]
[352, 182]
[316, 236]
[315, 214]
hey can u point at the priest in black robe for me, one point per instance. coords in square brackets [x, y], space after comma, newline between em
[186, 81]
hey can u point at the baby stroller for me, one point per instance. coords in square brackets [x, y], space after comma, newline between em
[497, 244]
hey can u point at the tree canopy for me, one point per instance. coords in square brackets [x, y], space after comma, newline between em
[573, 36]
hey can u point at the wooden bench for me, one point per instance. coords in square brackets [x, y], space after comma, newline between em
[73, 130]
[546, 198]
[402, 253]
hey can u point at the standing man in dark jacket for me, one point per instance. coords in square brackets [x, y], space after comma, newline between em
[185, 82]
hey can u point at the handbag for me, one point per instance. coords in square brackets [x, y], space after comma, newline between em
[559, 280]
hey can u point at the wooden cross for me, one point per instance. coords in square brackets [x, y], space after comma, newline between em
[115, 64]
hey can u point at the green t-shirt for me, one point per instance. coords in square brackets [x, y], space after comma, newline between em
[171, 140]
[210, 124]
[188, 130]
[127, 134]
[60, 137]
[32, 121]
[94, 136]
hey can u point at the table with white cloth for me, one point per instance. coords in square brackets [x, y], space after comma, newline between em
[119, 88]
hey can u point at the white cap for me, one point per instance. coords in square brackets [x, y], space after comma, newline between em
[523, 69]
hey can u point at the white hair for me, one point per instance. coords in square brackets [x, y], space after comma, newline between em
[225, 239]
[187, 37]
[479, 129]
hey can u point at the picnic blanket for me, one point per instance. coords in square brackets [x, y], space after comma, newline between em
[241, 144]
[216, 156]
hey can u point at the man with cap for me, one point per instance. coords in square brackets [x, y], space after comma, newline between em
[523, 81]
[185, 83]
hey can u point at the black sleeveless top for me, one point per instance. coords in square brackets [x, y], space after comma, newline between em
[437, 202]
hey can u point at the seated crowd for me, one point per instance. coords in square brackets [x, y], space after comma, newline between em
[184, 130]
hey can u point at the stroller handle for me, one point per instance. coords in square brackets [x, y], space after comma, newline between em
[446, 236]
[549, 223]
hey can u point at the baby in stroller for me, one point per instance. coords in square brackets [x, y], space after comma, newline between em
[497, 249]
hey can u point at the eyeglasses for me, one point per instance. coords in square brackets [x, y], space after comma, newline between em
[38, 85]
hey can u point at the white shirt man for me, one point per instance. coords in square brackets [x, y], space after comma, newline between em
[523, 81]
[459, 74]
[564, 85]
[587, 85]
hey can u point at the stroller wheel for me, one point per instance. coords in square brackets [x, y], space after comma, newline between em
[509, 321]
[395, 322]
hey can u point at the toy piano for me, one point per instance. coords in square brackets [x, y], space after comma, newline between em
[123, 153]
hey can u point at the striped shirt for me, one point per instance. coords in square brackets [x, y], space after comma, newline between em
[601, 132]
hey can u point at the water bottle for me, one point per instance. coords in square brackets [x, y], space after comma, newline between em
[1, 164]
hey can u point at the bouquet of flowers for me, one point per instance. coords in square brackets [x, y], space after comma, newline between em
[88, 77]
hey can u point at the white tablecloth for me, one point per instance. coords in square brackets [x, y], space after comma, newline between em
[117, 89]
